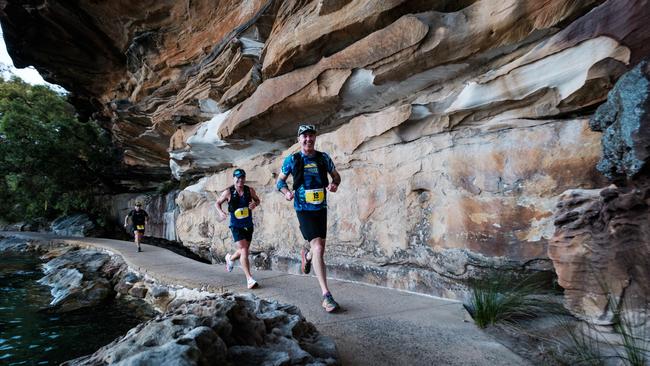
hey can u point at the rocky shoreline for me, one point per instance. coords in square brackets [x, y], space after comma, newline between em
[192, 327]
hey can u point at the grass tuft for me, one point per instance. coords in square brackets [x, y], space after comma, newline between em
[589, 346]
[506, 299]
[634, 341]
[583, 347]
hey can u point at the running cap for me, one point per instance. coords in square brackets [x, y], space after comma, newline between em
[306, 128]
[239, 173]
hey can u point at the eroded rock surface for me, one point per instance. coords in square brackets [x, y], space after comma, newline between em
[601, 252]
[625, 124]
[602, 241]
[12, 244]
[78, 279]
[228, 330]
[73, 225]
[456, 205]
[166, 67]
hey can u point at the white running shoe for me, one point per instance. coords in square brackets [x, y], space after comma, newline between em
[230, 264]
[251, 283]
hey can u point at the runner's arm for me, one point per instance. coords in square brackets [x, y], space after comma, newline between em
[255, 199]
[336, 180]
[225, 196]
[282, 186]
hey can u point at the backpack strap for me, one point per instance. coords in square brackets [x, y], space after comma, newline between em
[322, 168]
[231, 201]
[299, 169]
[247, 193]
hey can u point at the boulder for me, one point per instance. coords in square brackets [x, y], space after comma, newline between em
[73, 225]
[13, 244]
[601, 251]
[624, 121]
[77, 280]
[228, 329]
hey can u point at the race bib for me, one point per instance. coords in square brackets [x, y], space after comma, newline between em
[139, 227]
[241, 213]
[315, 196]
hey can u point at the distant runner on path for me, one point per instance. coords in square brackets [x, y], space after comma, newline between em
[139, 221]
[242, 199]
[309, 169]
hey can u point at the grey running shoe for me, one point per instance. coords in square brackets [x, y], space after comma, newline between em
[329, 304]
[305, 264]
[229, 263]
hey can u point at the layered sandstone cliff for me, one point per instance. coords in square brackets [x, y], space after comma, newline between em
[454, 124]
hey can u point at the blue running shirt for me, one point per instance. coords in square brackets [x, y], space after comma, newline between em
[311, 196]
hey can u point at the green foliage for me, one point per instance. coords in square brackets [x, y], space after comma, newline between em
[50, 163]
[501, 298]
[633, 335]
[634, 345]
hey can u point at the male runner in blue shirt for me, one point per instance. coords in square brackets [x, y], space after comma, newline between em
[309, 169]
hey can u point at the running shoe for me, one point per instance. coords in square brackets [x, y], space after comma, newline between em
[329, 304]
[229, 263]
[305, 264]
[251, 283]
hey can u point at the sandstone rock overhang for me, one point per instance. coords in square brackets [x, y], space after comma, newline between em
[152, 71]
[140, 68]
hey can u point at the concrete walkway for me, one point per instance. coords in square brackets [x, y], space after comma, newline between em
[377, 326]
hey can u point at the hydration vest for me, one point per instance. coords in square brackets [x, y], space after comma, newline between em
[234, 198]
[299, 169]
[138, 217]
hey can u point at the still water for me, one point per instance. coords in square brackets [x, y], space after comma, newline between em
[29, 336]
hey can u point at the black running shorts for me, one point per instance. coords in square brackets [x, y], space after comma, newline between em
[242, 233]
[313, 224]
